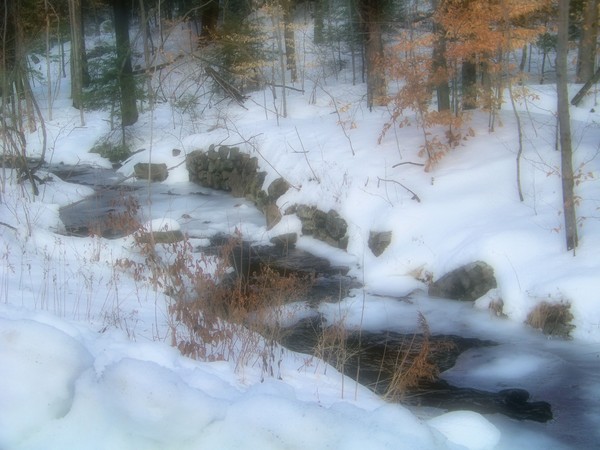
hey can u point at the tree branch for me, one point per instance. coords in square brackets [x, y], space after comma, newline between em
[414, 195]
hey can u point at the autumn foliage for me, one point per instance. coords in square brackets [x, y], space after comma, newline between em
[470, 48]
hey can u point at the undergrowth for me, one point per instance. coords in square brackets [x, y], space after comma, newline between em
[554, 319]
[216, 314]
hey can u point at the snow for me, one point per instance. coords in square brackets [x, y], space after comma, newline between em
[84, 354]
[467, 429]
[68, 386]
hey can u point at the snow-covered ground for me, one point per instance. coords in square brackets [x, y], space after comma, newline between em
[84, 354]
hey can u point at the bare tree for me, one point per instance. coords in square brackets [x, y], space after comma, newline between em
[564, 124]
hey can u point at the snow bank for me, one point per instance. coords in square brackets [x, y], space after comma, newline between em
[67, 386]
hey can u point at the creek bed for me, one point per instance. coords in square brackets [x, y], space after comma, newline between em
[565, 374]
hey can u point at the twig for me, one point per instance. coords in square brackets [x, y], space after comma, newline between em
[414, 197]
[227, 87]
[408, 162]
[306, 157]
[284, 87]
[340, 122]
[8, 226]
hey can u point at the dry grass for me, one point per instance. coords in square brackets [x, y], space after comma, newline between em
[391, 365]
[413, 363]
[122, 221]
[553, 319]
[218, 316]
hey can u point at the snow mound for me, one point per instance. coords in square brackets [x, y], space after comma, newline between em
[468, 429]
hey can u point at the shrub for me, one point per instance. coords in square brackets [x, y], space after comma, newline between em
[115, 153]
[217, 315]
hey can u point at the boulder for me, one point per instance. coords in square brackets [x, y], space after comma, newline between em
[379, 241]
[277, 188]
[466, 283]
[328, 227]
[152, 172]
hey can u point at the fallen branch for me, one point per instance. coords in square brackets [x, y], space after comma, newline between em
[156, 67]
[414, 195]
[586, 87]
[227, 87]
[285, 87]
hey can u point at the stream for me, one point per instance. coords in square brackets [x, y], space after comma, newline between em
[529, 386]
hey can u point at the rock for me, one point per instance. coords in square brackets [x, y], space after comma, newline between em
[379, 241]
[466, 283]
[152, 172]
[229, 169]
[272, 214]
[160, 237]
[277, 188]
[164, 231]
[335, 226]
[285, 241]
[328, 227]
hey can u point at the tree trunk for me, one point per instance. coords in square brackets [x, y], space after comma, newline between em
[523, 58]
[290, 39]
[129, 112]
[469, 83]
[585, 88]
[76, 60]
[439, 65]
[371, 20]
[586, 56]
[210, 19]
[8, 52]
[85, 69]
[319, 22]
[17, 102]
[564, 125]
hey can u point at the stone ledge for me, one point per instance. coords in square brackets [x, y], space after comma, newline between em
[228, 169]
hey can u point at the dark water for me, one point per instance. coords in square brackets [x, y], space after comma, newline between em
[99, 213]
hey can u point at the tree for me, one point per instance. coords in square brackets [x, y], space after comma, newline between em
[564, 125]
[319, 21]
[77, 52]
[290, 38]
[121, 12]
[19, 22]
[588, 42]
[371, 18]
[209, 17]
[439, 76]
[479, 36]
